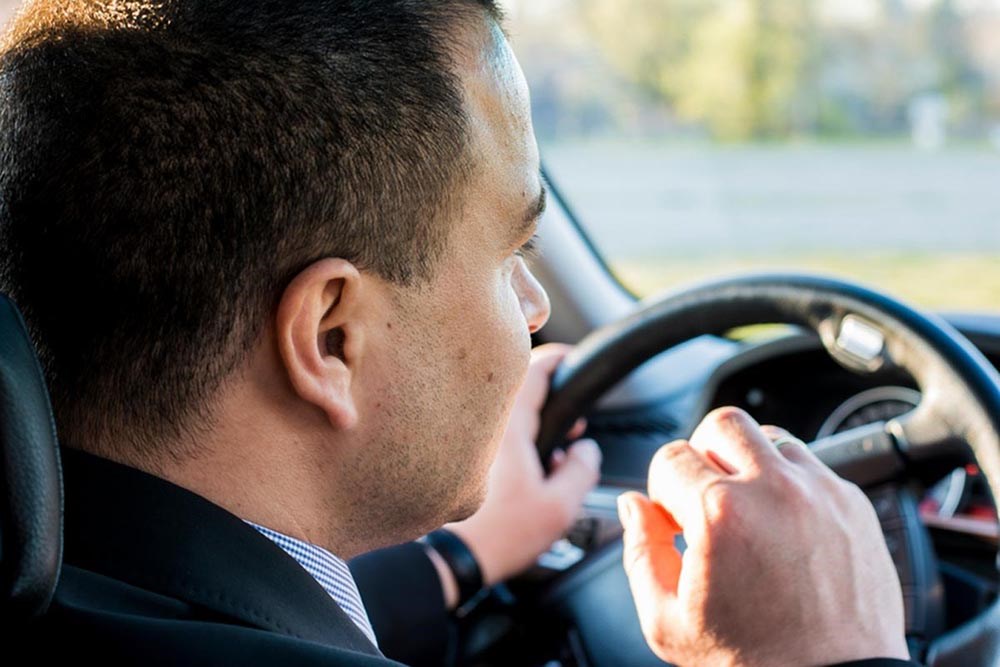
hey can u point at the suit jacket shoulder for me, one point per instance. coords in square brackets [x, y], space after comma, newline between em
[156, 574]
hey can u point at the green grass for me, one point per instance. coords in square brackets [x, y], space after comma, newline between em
[947, 282]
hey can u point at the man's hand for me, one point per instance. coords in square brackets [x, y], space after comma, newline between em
[525, 511]
[785, 562]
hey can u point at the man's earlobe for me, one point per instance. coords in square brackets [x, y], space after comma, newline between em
[318, 336]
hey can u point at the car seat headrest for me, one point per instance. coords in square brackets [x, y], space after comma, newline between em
[31, 494]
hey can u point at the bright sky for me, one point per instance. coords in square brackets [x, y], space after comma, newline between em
[850, 11]
[844, 10]
[7, 8]
[864, 11]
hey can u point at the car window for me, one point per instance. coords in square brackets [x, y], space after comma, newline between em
[852, 137]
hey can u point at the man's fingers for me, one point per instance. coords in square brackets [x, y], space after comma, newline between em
[576, 475]
[678, 476]
[792, 448]
[733, 439]
[544, 361]
[547, 357]
[651, 560]
[579, 428]
[557, 459]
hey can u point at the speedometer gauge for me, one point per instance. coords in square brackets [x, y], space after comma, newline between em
[875, 405]
[880, 405]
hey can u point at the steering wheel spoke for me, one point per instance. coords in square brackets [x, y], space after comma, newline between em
[927, 433]
[881, 452]
[866, 455]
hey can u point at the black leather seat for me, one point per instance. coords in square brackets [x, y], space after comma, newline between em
[31, 493]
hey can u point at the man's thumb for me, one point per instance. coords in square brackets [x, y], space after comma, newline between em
[652, 562]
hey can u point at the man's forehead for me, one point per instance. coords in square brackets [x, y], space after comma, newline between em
[499, 115]
[499, 63]
[493, 83]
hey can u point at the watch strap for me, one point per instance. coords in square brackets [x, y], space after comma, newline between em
[460, 560]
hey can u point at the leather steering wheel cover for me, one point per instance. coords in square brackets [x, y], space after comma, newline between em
[957, 377]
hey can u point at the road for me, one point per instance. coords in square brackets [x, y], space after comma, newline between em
[642, 201]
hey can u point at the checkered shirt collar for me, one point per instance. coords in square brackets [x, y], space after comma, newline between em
[330, 572]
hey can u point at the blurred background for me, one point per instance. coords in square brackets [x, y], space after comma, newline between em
[700, 137]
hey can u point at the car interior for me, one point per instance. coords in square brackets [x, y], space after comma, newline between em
[840, 375]
[902, 400]
[903, 403]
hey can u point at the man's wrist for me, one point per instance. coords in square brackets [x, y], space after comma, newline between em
[461, 577]
[449, 587]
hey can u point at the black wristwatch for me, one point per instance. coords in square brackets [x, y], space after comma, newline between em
[461, 560]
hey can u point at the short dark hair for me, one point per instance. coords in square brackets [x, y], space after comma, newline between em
[167, 167]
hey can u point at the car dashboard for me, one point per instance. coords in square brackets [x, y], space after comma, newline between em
[785, 378]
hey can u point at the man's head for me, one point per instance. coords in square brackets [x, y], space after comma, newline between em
[276, 225]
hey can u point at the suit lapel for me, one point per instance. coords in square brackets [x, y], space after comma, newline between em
[148, 532]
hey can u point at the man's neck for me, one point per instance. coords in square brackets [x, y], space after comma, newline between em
[252, 473]
[277, 491]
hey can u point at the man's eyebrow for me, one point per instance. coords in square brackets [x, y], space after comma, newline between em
[534, 212]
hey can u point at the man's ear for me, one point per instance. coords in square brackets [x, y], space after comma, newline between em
[320, 337]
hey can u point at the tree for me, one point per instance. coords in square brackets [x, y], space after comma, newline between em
[736, 66]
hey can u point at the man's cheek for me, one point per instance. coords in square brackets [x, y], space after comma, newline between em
[519, 362]
[515, 363]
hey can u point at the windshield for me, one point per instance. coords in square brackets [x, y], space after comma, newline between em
[695, 138]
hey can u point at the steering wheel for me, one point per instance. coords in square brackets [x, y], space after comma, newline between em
[862, 330]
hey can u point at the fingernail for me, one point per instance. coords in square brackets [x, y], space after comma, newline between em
[624, 510]
[773, 431]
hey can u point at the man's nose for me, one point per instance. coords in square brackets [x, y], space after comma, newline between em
[534, 302]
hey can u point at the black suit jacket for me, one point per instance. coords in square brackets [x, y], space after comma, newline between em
[154, 574]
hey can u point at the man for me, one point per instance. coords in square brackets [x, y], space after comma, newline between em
[272, 257]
